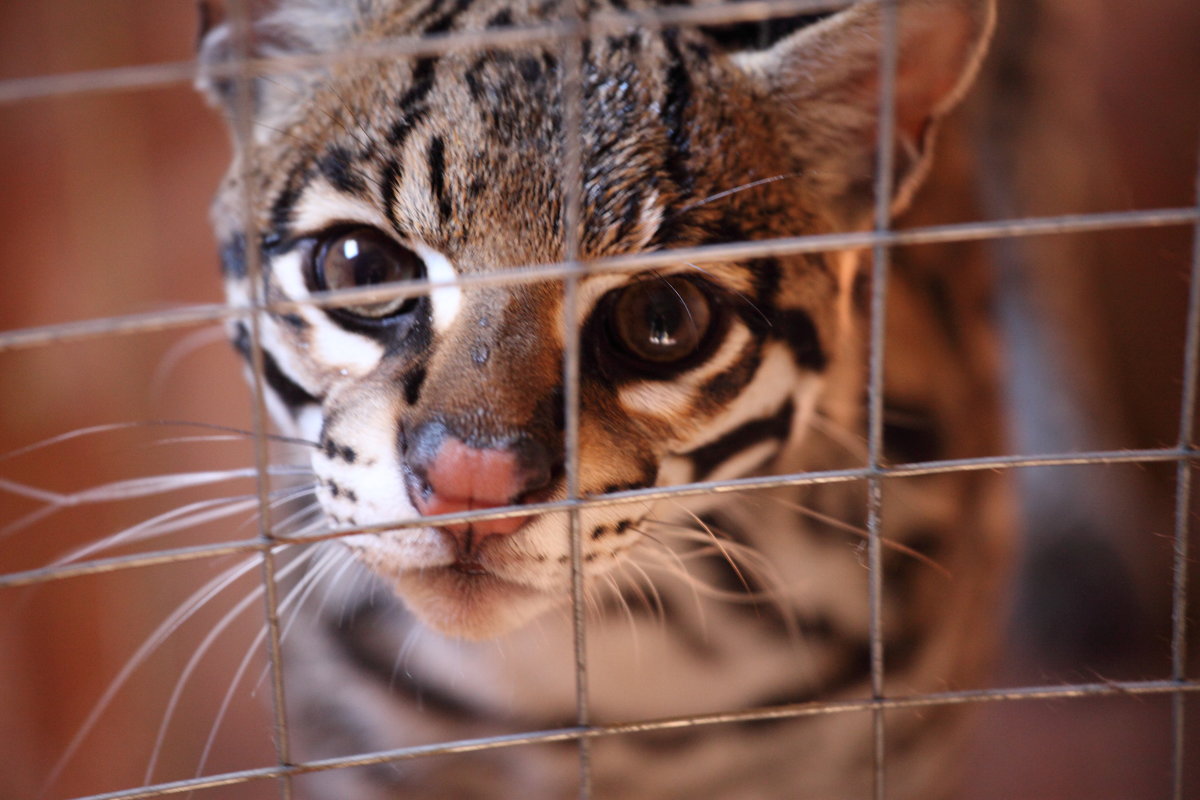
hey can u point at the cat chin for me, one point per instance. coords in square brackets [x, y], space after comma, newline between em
[469, 605]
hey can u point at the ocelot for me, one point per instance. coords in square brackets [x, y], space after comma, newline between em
[459, 178]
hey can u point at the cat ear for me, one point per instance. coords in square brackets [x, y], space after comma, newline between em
[824, 83]
[273, 28]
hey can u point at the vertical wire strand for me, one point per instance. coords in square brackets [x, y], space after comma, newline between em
[571, 181]
[241, 23]
[1183, 493]
[880, 258]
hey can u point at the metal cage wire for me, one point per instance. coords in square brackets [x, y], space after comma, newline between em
[569, 34]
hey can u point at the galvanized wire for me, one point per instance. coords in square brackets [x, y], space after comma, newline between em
[880, 263]
[700, 488]
[47, 335]
[1183, 514]
[243, 131]
[571, 182]
[1077, 691]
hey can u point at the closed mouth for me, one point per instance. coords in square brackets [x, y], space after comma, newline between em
[469, 567]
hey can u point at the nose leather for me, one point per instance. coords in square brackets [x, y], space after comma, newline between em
[454, 475]
[464, 478]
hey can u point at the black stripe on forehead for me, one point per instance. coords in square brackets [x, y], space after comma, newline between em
[336, 164]
[445, 21]
[436, 157]
[411, 104]
[389, 182]
[434, 19]
[674, 110]
[289, 195]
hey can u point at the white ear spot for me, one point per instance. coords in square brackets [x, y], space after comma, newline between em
[447, 299]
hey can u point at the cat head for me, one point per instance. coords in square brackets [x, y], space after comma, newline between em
[444, 174]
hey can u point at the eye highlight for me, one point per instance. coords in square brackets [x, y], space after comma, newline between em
[660, 322]
[361, 256]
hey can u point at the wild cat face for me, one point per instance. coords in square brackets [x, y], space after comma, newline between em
[451, 169]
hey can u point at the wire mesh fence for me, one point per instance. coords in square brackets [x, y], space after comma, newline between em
[58, 329]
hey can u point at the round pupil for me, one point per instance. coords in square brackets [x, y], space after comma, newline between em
[369, 267]
[661, 320]
[366, 257]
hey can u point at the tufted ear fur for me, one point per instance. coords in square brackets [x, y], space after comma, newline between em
[273, 28]
[823, 82]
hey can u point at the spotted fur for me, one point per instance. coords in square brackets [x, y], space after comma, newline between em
[688, 137]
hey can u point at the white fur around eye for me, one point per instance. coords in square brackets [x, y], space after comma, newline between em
[655, 398]
[339, 348]
[446, 300]
[330, 346]
[321, 205]
[287, 271]
[674, 398]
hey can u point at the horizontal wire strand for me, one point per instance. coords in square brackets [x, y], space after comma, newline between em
[916, 469]
[149, 76]
[781, 712]
[58, 333]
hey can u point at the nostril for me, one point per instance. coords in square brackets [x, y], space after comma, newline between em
[420, 445]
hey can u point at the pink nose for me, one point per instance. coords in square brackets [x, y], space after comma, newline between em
[464, 478]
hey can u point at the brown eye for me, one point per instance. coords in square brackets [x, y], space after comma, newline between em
[361, 257]
[660, 321]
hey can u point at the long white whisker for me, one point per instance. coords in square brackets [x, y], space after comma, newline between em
[179, 351]
[682, 570]
[256, 644]
[862, 533]
[611, 580]
[653, 600]
[716, 540]
[143, 487]
[94, 430]
[203, 648]
[182, 518]
[91, 430]
[190, 667]
[754, 561]
[31, 492]
[735, 190]
[317, 526]
[330, 557]
[304, 511]
[152, 643]
[187, 516]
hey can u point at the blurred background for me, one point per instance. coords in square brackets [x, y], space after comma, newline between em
[104, 210]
